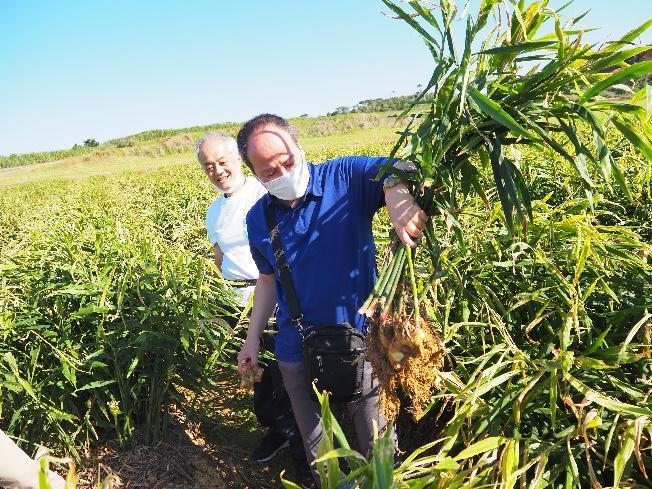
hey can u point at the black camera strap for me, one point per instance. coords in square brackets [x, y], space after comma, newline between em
[284, 272]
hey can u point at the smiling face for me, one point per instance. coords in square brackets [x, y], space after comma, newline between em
[221, 162]
[272, 153]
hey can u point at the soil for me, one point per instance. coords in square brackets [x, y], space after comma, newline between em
[208, 447]
[209, 440]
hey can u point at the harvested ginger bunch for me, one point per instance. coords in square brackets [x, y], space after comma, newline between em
[406, 357]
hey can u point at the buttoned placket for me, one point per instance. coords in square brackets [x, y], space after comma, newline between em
[288, 212]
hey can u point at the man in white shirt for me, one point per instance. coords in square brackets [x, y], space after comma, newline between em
[227, 231]
[225, 217]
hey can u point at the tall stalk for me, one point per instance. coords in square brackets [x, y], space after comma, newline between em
[536, 183]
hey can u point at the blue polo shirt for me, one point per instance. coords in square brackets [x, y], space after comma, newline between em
[328, 244]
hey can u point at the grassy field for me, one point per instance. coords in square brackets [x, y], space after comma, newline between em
[153, 155]
[368, 127]
[512, 346]
[115, 351]
[80, 167]
[106, 267]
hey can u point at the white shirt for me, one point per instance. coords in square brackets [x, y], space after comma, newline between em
[227, 227]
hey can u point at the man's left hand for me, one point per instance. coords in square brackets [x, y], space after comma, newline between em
[406, 216]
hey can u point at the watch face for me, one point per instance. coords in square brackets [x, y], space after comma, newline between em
[390, 181]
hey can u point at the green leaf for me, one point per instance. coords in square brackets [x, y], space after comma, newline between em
[340, 453]
[95, 385]
[620, 180]
[426, 14]
[383, 462]
[493, 110]
[13, 366]
[90, 309]
[446, 464]
[581, 259]
[605, 61]
[553, 397]
[518, 48]
[631, 334]
[597, 343]
[68, 372]
[579, 17]
[495, 156]
[634, 137]
[643, 98]
[608, 167]
[418, 451]
[509, 462]
[635, 71]
[593, 363]
[582, 169]
[630, 36]
[571, 32]
[482, 446]
[483, 14]
[606, 401]
[522, 188]
[288, 484]
[610, 435]
[43, 477]
[572, 472]
[132, 366]
[442, 67]
[413, 23]
[625, 453]
[506, 172]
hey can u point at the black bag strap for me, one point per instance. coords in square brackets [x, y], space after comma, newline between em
[284, 272]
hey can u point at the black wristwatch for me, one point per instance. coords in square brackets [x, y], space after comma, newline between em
[390, 181]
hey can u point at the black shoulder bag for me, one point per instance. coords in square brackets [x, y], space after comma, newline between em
[333, 354]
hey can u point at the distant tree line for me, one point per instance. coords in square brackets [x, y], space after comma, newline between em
[635, 84]
[399, 102]
[88, 143]
[396, 102]
[644, 56]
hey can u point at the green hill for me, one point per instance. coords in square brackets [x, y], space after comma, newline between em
[160, 142]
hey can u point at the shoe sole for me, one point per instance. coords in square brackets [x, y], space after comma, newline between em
[283, 446]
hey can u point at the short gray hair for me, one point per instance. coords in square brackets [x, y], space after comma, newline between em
[214, 136]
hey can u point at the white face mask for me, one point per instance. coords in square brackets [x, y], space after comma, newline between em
[290, 186]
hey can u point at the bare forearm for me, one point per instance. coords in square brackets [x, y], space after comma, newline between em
[264, 302]
[263, 307]
[404, 212]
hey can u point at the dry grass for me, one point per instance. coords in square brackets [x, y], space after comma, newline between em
[177, 149]
[207, 448]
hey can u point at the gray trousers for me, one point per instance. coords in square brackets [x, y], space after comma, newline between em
[307, 412]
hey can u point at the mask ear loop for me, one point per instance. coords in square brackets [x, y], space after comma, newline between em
[303, 153]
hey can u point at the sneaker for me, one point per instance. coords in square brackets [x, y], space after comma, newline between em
[269, 446]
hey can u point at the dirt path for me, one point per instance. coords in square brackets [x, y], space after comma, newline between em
[208, 442]
[206, 447]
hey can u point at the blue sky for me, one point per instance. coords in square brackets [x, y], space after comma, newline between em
[108, 68]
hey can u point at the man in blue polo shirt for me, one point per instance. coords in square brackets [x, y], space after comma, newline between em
[324, 213]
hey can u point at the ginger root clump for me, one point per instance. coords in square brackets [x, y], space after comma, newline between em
[406, 358]
[249, 376]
